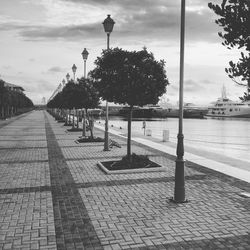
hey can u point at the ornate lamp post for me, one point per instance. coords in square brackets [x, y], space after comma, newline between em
[108, 25]
[74, 71]
[74, 111]
[67, 77]
[179, 191]
[63, 110]
[68, 111]
[85, 54]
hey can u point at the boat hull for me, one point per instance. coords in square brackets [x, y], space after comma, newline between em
[228, 116]
[165, 113]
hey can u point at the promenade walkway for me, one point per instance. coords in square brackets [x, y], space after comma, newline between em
[53, 196]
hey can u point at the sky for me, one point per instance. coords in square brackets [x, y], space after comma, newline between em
[40, 40]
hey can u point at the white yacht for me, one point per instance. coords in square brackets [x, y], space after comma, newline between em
[225, 107]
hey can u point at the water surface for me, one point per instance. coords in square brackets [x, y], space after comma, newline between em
[227, 137]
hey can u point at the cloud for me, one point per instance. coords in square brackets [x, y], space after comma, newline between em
[206, 81]
[190, 86]
[135, 20]
[55, 69]
[6, 67]
[40, 86]
[70, 32]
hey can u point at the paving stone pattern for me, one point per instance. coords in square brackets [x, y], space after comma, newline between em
[26, 209]
[55, 197]
[74, 228]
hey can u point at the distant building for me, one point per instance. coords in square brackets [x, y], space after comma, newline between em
[13, 87]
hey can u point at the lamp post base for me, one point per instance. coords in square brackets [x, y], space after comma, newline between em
[174, 201]
[179, 190]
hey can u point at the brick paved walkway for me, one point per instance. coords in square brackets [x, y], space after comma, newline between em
[53, 196]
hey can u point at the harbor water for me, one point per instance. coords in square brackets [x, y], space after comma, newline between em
[228, 138]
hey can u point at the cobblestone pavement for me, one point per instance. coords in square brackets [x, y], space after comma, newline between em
[53, 196]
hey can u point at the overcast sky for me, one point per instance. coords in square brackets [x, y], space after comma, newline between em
[41, 40]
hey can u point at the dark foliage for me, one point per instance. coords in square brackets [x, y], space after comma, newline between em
[133, 78]
[235, 21]
[80, 95]
[10, 99]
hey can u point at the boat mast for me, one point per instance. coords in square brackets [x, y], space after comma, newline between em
[223, 92]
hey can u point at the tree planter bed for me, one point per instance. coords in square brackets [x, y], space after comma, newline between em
[89, 139]
[74, 129]
[68, 124]
[61, 121]
[140, 164]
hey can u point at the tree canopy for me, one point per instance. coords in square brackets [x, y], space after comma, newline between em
[133, 78]
[235, 21]
[13, 98]
[80, 95]
[89, 94]
[71, 96]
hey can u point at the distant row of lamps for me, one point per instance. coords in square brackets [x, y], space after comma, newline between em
[108, 25]
[85, 54]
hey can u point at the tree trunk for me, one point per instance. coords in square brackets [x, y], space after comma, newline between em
[83, 123]
[130, 113]
[90, 125]
[73, 121]
[8, 111]
[2, 112]
[77, 118]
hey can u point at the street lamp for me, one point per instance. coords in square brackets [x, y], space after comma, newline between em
[68, 111]
[63, 110]
[74, 71]
[108, 25]
[85, 54]
[179, 190]
[67, 77]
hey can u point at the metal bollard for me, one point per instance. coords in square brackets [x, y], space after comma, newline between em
[165, 135]
[148, 132]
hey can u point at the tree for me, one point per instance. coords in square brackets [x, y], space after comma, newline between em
[82, 95]
[3, 94]
[132, 78]
[89, 98]
[71, 96]
[235, 20]
[12, 100]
